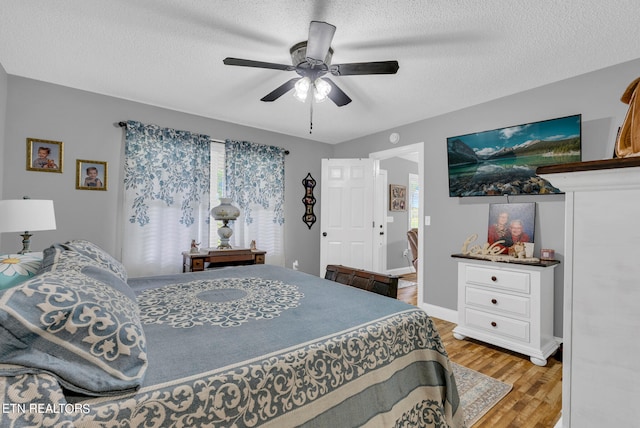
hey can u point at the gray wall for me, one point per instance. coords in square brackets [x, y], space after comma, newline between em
[398, 170]
[3, 115]
[595, 95]
[86, 123]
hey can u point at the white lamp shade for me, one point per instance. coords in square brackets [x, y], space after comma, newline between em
[225, 211]
[22, 215]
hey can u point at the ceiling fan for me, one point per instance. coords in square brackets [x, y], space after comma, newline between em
[311, 59]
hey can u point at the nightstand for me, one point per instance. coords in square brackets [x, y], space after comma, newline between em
[507, 304]
[194, 262]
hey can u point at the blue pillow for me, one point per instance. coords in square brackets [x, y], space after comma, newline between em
[84, 331]
[57, 258]
[98, 255]
[17, 268]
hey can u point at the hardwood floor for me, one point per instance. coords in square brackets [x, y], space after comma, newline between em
[536, 398]
[408, 295]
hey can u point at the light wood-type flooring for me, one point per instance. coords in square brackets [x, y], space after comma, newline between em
[536, 398]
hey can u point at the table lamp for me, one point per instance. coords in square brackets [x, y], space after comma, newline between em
[225, 212]
[26, 215]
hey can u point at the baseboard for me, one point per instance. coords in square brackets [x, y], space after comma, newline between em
[559, 424]
[440, 312]
[400, 271]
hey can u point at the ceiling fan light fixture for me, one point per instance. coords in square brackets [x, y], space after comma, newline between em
[321, 90]
[312, 59]
[302, 89]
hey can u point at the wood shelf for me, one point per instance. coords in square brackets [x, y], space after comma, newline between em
[589, 165]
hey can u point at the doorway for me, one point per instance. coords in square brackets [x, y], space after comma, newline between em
[412, 152]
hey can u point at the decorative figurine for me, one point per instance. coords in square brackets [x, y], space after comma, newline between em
[194, 246]
[517, 250]
[253, 244]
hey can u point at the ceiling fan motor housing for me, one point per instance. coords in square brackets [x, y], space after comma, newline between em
[299, 56]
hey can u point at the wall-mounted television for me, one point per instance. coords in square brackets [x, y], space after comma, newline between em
[504, 161]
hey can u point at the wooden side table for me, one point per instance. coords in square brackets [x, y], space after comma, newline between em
[195, 262]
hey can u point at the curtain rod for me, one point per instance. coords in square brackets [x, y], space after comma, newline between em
[124, 125]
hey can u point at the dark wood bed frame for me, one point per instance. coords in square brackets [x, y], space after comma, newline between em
[379, 283]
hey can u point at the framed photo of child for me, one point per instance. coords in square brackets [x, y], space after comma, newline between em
[91, 175]
[44, 155]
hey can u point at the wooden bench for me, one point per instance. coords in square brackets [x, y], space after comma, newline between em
[379, 283]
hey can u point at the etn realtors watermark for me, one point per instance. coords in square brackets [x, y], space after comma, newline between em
[45, 408]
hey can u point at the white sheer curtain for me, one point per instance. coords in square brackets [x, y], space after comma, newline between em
[255, 183]
[166, 201]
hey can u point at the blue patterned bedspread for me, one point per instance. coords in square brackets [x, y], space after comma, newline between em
[265, 346]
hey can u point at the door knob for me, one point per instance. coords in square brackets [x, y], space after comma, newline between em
[324, 233]
[381, 233]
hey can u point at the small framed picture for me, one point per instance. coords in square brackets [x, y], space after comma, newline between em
[397, 197]
[44, 155]
[91, 175]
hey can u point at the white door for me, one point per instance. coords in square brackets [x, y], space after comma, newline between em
[346, 213]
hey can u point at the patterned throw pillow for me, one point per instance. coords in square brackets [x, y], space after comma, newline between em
[17, 268]
[81, 329]
[98, 255]
[59, 259]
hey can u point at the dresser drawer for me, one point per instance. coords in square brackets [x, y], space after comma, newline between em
[505, 279]
[498, 325]
[498, 302]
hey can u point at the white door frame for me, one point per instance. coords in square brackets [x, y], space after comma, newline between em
[399, 151]
[380, 202]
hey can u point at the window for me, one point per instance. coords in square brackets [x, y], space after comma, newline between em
[217, 189]
[252, 175]
[414, 196]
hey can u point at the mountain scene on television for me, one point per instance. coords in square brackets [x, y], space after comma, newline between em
[504, 161]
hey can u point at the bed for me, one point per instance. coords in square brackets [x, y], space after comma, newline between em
[83, 345]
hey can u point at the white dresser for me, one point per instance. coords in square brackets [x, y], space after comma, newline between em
[508, 305]
[600, 372]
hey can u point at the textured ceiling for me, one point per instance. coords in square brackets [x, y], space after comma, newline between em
[452, 54]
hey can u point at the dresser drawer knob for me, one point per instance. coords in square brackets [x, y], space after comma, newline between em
[494, 324]
[494, 301]
[494, 278]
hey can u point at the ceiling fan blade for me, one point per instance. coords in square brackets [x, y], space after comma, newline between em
[359, 68]
[319, 42]
[258, 64]
[336, 94]
[280, 90]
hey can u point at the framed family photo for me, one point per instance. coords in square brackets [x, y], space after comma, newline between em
[44, 155]
[510, 224]
[397, 197]
[91, 175]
